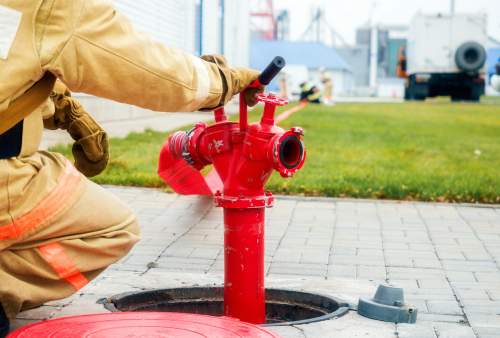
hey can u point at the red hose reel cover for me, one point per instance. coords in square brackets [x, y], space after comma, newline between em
[143, 325]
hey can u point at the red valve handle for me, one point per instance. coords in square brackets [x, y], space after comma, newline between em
[271, 98]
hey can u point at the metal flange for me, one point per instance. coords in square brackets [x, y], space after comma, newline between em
[242, 202]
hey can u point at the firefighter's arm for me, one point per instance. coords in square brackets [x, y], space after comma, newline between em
[105, 56]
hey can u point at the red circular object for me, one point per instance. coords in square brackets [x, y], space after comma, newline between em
[271, 99]
[143, 325]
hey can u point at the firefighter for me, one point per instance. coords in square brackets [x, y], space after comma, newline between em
[326, 79]
[310, 92]
[58, 230]
[495, 79]
[283, 85]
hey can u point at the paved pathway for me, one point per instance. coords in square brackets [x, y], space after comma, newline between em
[446, 257]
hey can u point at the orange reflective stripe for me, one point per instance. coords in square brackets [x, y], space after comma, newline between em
[63, 265]
[47, 207]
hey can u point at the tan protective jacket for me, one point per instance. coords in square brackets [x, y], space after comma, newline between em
[92, 49]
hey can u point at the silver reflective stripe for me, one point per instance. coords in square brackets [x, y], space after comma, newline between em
[10, 20]
[203, 87]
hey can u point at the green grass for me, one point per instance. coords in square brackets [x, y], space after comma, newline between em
[490, 98]
[406, 151]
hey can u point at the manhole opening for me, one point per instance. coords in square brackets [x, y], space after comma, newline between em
[283, 307]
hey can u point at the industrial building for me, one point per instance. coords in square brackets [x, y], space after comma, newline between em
[374, 56]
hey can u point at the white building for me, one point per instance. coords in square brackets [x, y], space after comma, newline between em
[223, 25]
[312, 55]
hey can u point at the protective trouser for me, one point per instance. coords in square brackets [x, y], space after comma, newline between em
[74, 248]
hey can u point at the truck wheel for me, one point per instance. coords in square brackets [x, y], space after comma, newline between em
[470, 57]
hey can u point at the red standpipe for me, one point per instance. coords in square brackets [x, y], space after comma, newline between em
[244, 155]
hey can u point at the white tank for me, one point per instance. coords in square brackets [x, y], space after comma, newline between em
[447, 43]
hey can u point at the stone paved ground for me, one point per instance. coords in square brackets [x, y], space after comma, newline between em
[447, 258]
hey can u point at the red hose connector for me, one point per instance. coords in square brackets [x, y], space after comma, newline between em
[286, 152]
[183, 144]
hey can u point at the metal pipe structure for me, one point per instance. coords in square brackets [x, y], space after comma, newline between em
[373, 56]
[244, 155]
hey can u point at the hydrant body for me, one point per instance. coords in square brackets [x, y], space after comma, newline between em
[244, 156]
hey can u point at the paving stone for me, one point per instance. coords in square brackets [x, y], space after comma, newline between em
[408, 284]
[481, 255]
[433, 284]
[141, 259]
[469, 266]
[370, 253]
[429, 317]
[493, 277]
[314, 258]
[427, 263]
[486, 309]
[415, 273]
[343, 251]
[177, 251]
[446, 330]
[370, 272]
[287, 257]
[482, 320]
[472, 294]
[409, 254]
[319, 241]
[487, 332]
[342, 270]
[399, 261]
[443, 307]
[356, 260]
[129, 267]
[417, 330]
[306, 272]
[459, 276]
[204, 253]
[321, 267]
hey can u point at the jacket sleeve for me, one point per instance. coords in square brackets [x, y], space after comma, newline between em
[103, 55]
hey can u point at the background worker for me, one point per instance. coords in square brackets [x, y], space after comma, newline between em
[310, 92]
[58, 230]
[283, 85]
[326, 79]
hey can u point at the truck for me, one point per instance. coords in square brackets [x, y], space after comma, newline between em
[445, 56]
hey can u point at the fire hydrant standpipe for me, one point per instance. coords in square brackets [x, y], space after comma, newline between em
[244, 155]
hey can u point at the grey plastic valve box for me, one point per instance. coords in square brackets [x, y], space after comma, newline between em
[388, 305]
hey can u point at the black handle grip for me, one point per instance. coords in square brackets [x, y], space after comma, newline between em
[271, 70]
[498, 67]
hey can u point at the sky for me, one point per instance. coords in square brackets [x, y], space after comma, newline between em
[347, 15]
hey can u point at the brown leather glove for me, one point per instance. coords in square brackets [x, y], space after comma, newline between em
[237, 79]
[91, 147]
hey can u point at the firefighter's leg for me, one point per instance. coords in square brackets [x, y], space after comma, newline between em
[62, 258]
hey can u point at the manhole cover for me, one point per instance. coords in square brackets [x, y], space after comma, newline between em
[143, 325]
[283, 307]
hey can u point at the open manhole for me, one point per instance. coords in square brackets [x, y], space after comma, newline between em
[283, 307]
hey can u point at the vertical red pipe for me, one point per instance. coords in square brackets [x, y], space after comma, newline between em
[244, 294]
[243, 112]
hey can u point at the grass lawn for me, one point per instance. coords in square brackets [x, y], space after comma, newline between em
[412, 151]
